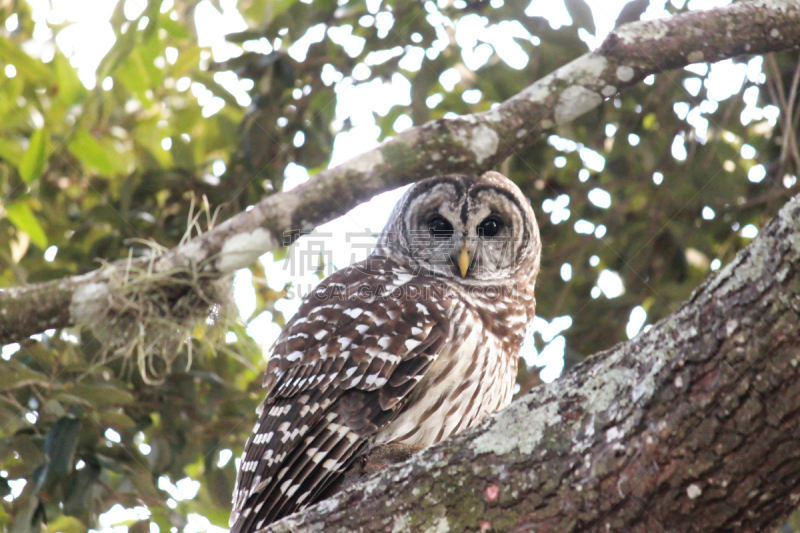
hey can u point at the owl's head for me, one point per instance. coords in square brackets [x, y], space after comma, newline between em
[474, 228]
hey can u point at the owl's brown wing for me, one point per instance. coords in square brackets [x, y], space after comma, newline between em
[339, 372]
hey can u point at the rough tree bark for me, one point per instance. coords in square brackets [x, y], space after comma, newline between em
[691, 426]
[472, 143]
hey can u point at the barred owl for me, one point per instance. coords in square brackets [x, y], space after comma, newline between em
[416, 343]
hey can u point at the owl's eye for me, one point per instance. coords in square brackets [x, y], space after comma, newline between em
[440, 227]
[490, 227]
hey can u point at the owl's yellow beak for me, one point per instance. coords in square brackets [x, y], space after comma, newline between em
[463, 261]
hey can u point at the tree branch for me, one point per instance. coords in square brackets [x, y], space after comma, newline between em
[468, 144]
[691, 426]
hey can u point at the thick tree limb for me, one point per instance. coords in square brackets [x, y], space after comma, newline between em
[467, 144]
[692, 426]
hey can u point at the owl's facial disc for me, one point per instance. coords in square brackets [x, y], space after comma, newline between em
[475, 228]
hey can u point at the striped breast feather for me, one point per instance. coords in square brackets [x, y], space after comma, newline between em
[339, 372]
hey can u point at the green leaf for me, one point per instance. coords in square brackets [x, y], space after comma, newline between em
[175, 29]
[182, 153]
[118, 421]
[10, 151]
[79, 487]
[22, 217]
[15, 375]
[188, 59]
[91, 153]
[101, 395]
[118, 53]
[59, 447]
[34, 161]
[134, 76]
[142, 480]
[68, 524]
[70, 88]
[28, 67]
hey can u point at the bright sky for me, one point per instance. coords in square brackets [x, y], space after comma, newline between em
[346, 239]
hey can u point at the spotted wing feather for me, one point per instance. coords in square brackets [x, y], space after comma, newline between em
[338, 373]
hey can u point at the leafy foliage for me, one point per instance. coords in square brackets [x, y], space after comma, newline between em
[97, 172]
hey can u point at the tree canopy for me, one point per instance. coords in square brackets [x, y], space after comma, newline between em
[638, 201]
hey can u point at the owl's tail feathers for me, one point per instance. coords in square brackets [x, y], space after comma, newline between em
[308, 470]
